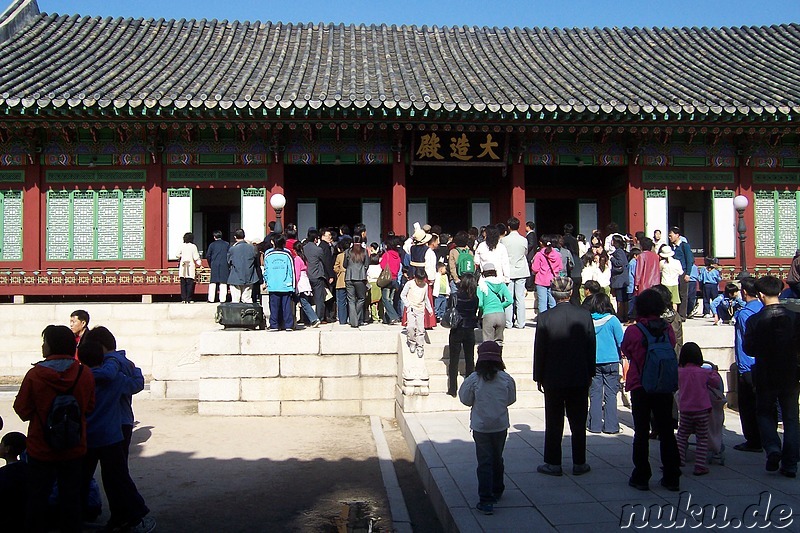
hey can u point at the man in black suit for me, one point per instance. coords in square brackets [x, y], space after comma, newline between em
[563, 366]
[315, 258]
[533, 247]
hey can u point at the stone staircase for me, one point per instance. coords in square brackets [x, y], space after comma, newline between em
[716, 342]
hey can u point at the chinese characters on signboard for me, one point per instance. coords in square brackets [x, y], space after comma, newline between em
[457, 146]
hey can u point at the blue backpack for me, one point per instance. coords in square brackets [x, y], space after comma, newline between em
[660, 371]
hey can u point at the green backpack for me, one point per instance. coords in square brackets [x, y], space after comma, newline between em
[465, 263]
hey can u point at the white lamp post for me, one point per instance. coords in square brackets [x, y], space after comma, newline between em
[740, 203]
[278, 202]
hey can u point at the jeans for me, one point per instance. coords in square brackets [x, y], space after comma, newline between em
[691, 296]
[41, 476]
[187, 289]
[546, 300]
[574, 401]
[642, 404]
[710, 291]
[305, 305]
[387, 296]
[489, 451]
[281, 310]
[460, 338]
[768, 424]
[125, 503]
[356, 296]
[517, 290]
[341, 305]
[439, 306]
[747, 409]
[212, 292]
[493, 326]
[603, 399]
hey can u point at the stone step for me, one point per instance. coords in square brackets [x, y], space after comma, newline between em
[437, 401]
[438, 382]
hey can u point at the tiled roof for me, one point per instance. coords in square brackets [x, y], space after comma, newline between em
[74, 61]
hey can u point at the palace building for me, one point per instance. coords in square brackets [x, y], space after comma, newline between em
[119, 135]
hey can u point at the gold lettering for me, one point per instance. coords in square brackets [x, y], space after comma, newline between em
[488, 147]
[459, 147]
[429, 146]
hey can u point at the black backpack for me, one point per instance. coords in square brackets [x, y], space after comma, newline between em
[64, 426]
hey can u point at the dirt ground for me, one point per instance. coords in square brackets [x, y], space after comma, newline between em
[232, 474]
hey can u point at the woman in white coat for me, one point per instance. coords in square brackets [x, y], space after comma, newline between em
[188, 259]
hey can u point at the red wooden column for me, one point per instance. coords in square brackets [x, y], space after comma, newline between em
[518, 194]
[399, 221]
[635, 199]
[746, 189]
[275, 185]
[34, 218]
[155, 213]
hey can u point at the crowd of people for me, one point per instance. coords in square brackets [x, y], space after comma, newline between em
[78, 403]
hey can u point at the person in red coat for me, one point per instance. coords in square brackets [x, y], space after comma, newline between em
[648, 268]
[57, 374]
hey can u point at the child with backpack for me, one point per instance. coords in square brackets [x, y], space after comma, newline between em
[652, 379]
[489, 391]
[694, 382]
[460, 260]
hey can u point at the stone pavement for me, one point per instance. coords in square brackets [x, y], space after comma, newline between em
[445, 456]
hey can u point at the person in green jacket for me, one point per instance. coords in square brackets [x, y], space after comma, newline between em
[493, 298]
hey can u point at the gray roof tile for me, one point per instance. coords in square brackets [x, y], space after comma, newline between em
[57, 60]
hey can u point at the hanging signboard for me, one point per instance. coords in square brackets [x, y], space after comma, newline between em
[449, 147]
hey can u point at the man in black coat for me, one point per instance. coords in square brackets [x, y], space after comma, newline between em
[217, 257]
[315, 256]
[563, 366]
[772, 339]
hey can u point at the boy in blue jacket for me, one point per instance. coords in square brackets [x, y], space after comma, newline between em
[105, 441]
[279, 275]
[726, 304]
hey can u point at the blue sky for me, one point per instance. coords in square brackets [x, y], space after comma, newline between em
[553, 13]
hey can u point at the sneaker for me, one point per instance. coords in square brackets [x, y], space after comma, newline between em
[788, 474]
[420, 352]
[638, 486]
[579, 470]
[550, 470]
[747, 447]
[146, 525]
[485, 508]
[289, 329]
[315, 324]
[773, 461]
[700, 471]
[672, 487]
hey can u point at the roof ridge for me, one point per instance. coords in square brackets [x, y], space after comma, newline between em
[16, 16]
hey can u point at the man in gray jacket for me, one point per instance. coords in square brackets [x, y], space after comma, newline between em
[242, 259]
[517, 247]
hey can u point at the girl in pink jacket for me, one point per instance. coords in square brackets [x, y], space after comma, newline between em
[545, 266]
[694, 404]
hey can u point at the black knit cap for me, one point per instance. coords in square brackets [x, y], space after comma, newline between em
[490, 351]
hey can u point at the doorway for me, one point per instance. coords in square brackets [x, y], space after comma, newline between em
[552, 214]
[452, 214]
[335, 212]
[212, 210]
[689, 210]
